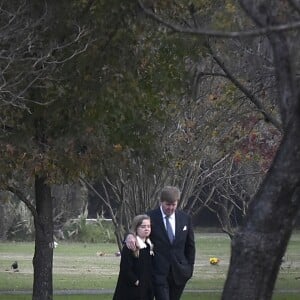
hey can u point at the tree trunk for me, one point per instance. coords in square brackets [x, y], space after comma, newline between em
[3, 221]
[258, 247]
[43, 255]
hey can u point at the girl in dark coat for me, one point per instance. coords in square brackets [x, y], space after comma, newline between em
[135, 276]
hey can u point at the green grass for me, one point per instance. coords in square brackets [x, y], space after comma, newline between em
[107, 297]
[78, 266]
[186, 296]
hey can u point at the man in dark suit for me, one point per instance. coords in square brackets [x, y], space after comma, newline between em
[174, 246]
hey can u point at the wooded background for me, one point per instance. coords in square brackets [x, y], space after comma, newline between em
[115, 100]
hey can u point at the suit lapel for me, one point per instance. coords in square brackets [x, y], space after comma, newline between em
[178, 226]
[159, 220]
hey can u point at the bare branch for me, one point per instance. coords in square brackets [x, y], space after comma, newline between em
[246, 92]
[220, 34]
[26, 60]
[24, 199]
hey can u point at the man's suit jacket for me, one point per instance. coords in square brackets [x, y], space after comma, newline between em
[179, 257]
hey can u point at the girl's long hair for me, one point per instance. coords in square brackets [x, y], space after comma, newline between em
[136, 222]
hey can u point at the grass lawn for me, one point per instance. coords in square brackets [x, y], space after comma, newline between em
[186, 296]
[108, 297]
[79, 266]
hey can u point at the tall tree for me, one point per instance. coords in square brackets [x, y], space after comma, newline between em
[31, 60]
[60, 116]
[259, 244]
[278, 197]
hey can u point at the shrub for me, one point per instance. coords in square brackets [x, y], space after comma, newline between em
[89, 230]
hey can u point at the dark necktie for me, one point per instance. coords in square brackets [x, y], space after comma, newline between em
[169, 230]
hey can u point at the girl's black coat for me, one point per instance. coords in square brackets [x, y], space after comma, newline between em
[132, 269]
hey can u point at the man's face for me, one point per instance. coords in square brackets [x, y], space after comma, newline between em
[168, 207]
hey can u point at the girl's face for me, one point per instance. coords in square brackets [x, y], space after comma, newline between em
[144, 230]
